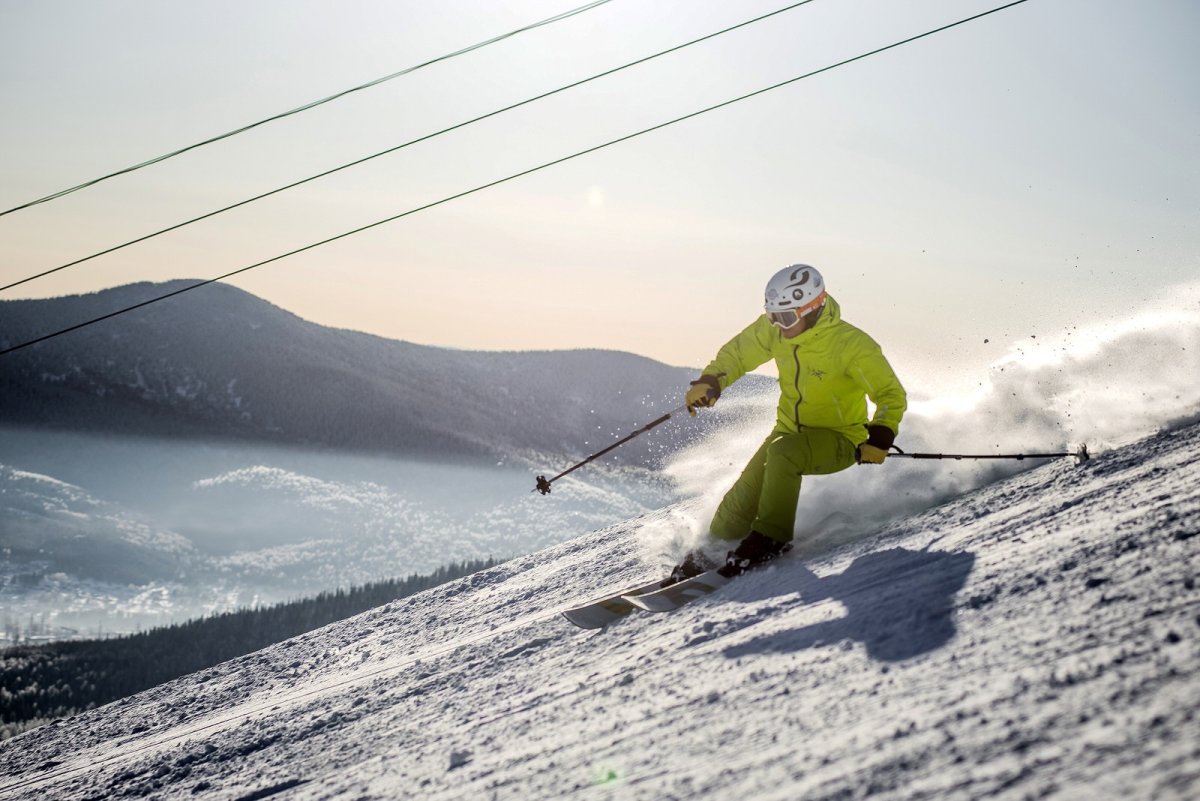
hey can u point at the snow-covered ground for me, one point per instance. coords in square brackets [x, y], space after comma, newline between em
[1038, 637]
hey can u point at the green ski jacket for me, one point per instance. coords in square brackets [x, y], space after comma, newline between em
[825, 374]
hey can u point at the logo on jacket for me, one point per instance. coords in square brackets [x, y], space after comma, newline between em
[815, 373]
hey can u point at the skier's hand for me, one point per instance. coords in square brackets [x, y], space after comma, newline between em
[704, 391]
[869, 454]
[875, 449]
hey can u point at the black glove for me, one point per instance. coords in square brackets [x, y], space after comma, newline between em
[875, 449]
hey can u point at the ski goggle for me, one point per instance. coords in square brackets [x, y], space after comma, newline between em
[786, 318]
[783, 319]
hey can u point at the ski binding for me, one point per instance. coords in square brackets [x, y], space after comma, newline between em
[598, 614]
[676, 595]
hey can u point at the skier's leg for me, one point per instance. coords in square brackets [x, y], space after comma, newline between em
[733, 517]
[814, 451]
[738, 508]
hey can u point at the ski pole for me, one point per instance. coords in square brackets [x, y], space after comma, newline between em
[543, 484]
[1080, 455]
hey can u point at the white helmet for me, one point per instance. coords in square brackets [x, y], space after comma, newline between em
[792, 293]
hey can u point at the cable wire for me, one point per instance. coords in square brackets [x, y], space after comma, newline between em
[313, 104]
[425, 138]
[512, 177]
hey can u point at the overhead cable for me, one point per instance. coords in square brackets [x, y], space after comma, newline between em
[424, 138]
[313, 104]
[512, 177]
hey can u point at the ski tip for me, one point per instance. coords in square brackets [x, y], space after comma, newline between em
[585, 622]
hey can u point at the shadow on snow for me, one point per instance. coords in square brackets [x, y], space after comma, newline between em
[899, 604]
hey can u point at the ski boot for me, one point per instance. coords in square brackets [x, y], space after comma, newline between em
[755, 550]
[693, 564]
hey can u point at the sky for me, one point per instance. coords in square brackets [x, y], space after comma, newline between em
[1022, 175]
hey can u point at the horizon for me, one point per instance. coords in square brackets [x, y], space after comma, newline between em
[1169, 318]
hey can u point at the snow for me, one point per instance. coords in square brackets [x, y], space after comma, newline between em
[1037, 637]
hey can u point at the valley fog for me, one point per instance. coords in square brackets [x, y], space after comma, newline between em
[109, 534]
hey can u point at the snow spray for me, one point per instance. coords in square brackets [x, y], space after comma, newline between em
[1101, 384]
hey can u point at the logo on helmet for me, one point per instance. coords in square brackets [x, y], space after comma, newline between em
[805, 274]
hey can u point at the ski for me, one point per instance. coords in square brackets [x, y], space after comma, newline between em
[598, 614]
[676, 595]
[651, 597]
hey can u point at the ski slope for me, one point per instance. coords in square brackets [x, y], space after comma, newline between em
[1039, 637]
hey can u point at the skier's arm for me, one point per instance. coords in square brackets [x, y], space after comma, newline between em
[746, 351]
[871, 371]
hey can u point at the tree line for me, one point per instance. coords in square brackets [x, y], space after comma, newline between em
[39, 683]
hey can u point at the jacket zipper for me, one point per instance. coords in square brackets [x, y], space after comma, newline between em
[799, 395]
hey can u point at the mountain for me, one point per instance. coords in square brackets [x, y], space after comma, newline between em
[1034, 638]
[214, 450]
[220, 362]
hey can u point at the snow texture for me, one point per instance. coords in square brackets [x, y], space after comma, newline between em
[1036, 638]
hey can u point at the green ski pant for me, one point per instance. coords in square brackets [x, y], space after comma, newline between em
[764, 497]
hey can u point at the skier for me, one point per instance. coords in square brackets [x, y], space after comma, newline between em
[827, 369]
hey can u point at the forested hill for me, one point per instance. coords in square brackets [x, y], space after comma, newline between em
[42, 682]
[221, 362]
